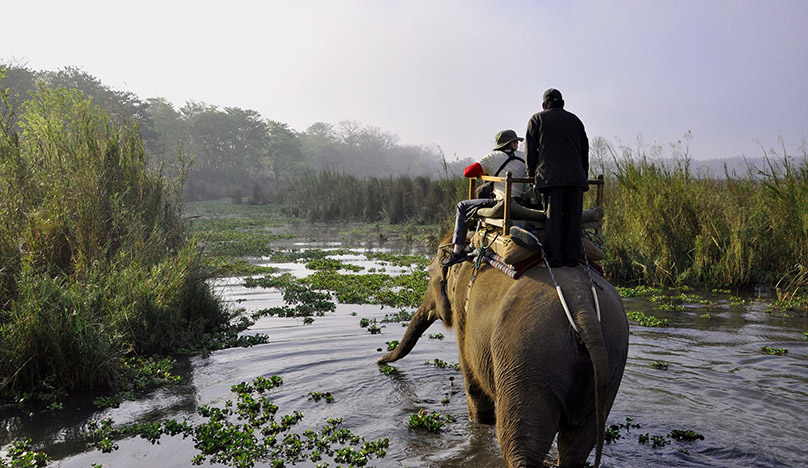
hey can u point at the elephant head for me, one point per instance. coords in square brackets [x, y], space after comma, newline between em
[524, 367]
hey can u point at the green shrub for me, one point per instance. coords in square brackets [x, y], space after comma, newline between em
[96, 260]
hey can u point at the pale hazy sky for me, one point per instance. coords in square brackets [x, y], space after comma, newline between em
[450, 73]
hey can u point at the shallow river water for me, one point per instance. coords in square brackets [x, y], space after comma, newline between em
[751, 408]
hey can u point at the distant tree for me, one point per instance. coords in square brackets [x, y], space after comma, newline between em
[207, 129]
[283, 155]
[349, 132]
[248, 136]
[121, 106]
[320, 146]
[169, 135]
[19, 82]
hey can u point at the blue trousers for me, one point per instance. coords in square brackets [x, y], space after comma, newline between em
[462, 221]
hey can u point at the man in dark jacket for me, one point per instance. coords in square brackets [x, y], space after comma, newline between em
[557, 156]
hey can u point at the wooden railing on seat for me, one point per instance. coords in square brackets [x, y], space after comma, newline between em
[508, 180]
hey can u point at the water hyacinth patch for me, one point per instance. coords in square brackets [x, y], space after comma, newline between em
[662, 365]
[431, 422]
[405, 290]
[301, 299]
[638, 291]
[774, 351]
[388, 370]
[331, 264]
[400, 316]
[21, 454]
[685, 435]
[441, 364]
[249, 431]
[317, 396]
[646, 320]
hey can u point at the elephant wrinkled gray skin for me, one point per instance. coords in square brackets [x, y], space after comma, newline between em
[524, 368]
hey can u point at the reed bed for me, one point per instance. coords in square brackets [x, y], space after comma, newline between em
[667, 227]
[330, 196]
[96, 262]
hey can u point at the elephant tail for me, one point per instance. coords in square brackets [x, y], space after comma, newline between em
[420, 321]
[590, 331]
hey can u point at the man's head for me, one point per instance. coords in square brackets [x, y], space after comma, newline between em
[506, 140]
[552, 99]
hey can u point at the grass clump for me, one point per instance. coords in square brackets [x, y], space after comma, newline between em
[97, 261]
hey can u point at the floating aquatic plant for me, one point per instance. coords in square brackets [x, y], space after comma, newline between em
[685, 435]
[774, 351]
[388, 370]
[646, 320]
[638, 291]
[431, 422]
[248, 431]
[659, 365]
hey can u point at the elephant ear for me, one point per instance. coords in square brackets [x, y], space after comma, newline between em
[443, 306]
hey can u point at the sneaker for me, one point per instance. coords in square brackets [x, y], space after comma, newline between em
[455, 257]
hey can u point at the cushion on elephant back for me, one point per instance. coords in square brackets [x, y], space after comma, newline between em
[511, 252]
[591, 218]
[504, 246]
[517, 212]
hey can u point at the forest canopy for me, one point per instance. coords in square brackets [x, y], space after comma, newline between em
[229, 151]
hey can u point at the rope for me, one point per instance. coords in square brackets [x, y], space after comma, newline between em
[557, 287]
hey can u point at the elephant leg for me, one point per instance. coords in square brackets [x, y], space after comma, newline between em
[481, 407]
[527, 422]
[575, 443]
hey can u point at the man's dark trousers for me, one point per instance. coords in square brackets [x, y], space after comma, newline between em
[563, 206]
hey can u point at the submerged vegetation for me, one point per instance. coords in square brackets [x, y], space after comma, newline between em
[97, 263]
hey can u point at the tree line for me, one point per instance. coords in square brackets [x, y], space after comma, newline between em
[230, 151]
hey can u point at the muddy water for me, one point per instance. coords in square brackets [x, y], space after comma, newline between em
[752, 408]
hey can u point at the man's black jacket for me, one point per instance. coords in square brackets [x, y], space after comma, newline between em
[557, 149]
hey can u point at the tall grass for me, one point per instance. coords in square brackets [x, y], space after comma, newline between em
[95, 259]
[666, 227]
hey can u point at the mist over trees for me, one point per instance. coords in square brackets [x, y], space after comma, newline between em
[234, 152]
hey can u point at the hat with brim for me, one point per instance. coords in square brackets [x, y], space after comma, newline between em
[505, 138]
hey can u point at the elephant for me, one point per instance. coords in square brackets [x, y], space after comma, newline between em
[525, 369]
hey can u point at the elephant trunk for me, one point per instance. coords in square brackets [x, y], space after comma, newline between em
[420, 321]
